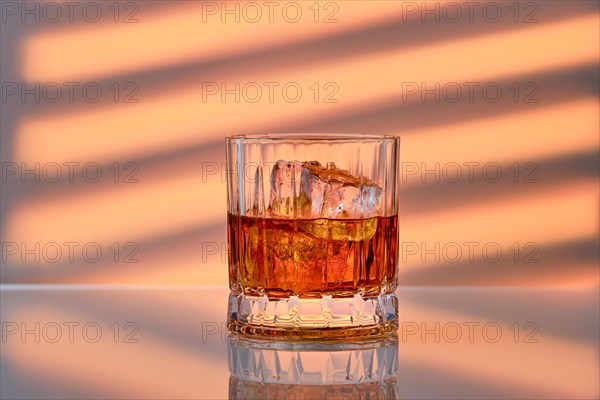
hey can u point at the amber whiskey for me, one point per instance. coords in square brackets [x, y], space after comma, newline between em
[311, 258]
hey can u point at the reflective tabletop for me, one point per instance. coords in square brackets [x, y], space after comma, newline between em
[155, 342]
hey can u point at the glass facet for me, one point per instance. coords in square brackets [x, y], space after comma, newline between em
[276, 369]
[312, 234]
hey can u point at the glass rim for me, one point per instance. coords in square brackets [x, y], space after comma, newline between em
[311, 137]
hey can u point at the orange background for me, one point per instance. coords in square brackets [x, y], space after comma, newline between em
[372, 52]
[173, 218]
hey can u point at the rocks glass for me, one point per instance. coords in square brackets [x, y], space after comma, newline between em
[313, 234]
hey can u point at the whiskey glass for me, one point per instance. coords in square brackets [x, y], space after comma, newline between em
[313, 234]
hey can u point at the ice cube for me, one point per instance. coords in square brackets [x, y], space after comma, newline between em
[312, 193]
[337, 194]
[349, 230]
[349, 201]
[285, 188]
[293, 260]
[293, 256]
[308, 190]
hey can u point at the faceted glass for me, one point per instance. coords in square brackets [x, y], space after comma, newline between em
[312, 234]
[277, 369]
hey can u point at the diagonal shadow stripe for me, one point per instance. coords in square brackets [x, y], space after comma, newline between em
[397, 34]
[553, 257]
[402, 115]
[543, 174]
[558, 312]
[555, 87]
[167, 242]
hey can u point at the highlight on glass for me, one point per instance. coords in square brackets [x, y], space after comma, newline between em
[313, 234]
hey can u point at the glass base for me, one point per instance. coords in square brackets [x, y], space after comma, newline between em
[324, 318]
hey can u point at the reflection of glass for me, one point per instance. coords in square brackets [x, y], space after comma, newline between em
[312, 234]
[270, 369]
